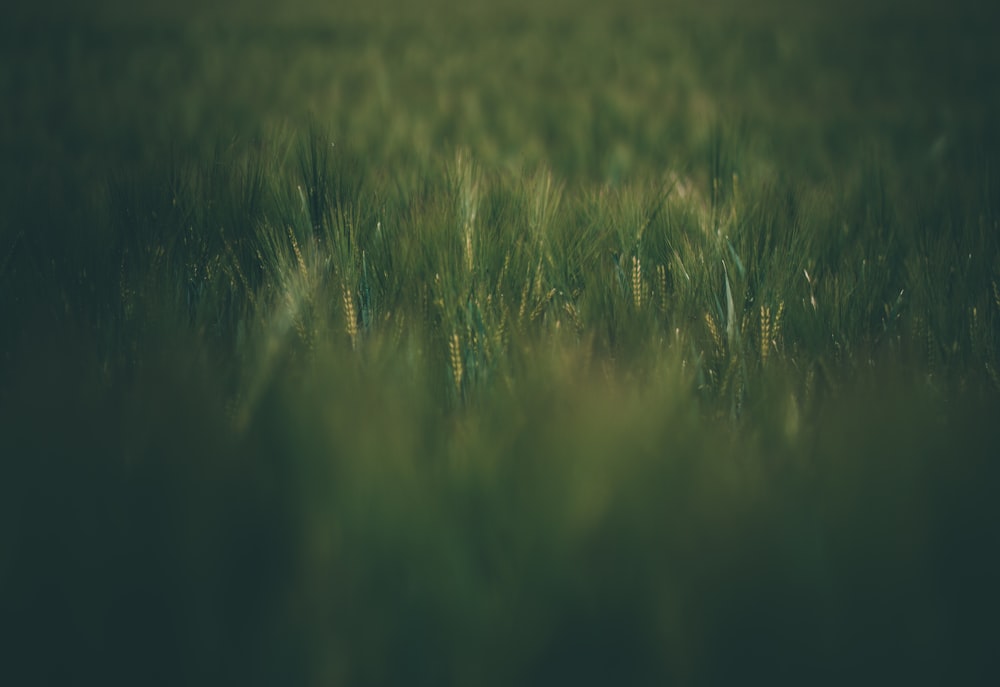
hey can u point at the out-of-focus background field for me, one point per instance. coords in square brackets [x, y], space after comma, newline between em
[499, 343]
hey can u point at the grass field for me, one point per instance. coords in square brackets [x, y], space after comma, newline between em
[499, 343]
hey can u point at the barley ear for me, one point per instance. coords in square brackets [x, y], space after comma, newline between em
[350, 316]
[636, 282]
[713, 330]
[661, 278]
[455, 355]
[298, 254]
[775, 339]
[765, 332]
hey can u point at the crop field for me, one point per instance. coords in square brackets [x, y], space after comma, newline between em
[499, 343]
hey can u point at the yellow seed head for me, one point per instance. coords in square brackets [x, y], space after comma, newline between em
[765, 332]
[574, 316]
[636, 281]
[713, 330]
[540, 307]
[350, 316]
[524, 302]
[455, 353]
[661, 278]
[503, 273]
[298, 253]
[468, 247]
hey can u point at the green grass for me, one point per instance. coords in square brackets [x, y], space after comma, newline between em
[516, 344]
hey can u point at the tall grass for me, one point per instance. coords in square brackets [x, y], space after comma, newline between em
[523, 346]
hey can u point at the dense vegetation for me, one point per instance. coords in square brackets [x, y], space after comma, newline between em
[516, 343]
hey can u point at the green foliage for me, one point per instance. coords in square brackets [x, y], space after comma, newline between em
[511, 345]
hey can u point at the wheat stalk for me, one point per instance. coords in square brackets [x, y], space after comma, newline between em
[468, 246]
[776, 325]
[541, 304]
[303, 270]
[455, 355]
[574, 316]
[350, 316]
[765, 332]
[636, 282]
[524, 301]
[661, 277]
[713, 330]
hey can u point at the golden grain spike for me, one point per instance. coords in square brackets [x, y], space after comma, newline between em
[298, 253]
[455, 354]
[713, 330]
[524, 301]
[540, 307]
[765, 332]
[469, 261]
[350, 317]
[661, 277]
[636, 282]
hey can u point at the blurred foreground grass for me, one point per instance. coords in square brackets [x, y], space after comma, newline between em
[580, 531]
[509, 344]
